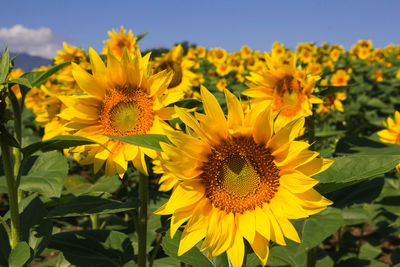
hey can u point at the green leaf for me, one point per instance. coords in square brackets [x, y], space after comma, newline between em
[188, 103]
[330, 90]
[19, 255]
[369, 252]
[78, 185]
[4, 65]
[151, 141]
[7, 138]
[357, 168]
[320, 226]
[57, 143]
[46, 175]
[193, 256]
[94, 247]
[21, 81]
[84, 205]
[141, 36]
[36, 78]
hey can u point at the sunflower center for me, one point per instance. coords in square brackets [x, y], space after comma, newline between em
[127, 113]
[240, 175]
[125, 116]
[176, 68]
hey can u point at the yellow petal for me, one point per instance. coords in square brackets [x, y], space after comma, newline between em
[296, 181]
[288, 230]
[315, 166]
[236, 251]
[98, 67]
[247, 225]
[190, 121]
[276, 232]
[140, 163]
[262, 223]
[87, 82]
[185, 194]
[181, 216]
[261, 248]
[235, 111]
[262, 130]
[284, 136]
[212, 107]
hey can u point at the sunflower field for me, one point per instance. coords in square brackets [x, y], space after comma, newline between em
[200, 157]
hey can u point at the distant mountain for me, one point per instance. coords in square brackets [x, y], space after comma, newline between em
[27, 62]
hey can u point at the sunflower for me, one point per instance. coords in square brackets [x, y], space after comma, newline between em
[238, 180]
[70, 53]
[120, 40]
[378, 75]
[121, 99]
[392, 132]
[340, 78]
[221, 84]
[175, 61]
[332, 102]
[287, 89]
[14, 74]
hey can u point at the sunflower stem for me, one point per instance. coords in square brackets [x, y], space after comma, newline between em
[142, 230]
[312, 257]
[95, 221]
[12, 193]
[155, 251]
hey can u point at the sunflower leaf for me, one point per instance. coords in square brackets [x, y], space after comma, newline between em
[56, 143]
[4, 65]
[84, 205]
[46, 175]
[36, 78]
[193, 256]
[151, 141]
[356, 167]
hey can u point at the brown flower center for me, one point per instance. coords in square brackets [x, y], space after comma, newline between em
[126, 113]
[240, 175]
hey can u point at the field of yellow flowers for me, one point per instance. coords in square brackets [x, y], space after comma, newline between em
[201, 157]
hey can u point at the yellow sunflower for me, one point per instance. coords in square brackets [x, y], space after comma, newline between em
[121, 99]
[175, 61]
[287, 89]
[340, 78]
[70, 53]
[332, 102]
[392, 132]
[120, 40]
[239, 179]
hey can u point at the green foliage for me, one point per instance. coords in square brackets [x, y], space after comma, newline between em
[193, 256]
[151, 141]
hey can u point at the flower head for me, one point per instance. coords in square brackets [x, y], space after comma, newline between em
[120, 40]
[287, 89]
[239, 179]
[121, 99]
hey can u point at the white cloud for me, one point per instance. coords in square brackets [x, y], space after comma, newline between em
[35, 42]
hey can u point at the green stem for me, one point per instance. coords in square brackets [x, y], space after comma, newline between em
[17, 109]
[3, 222]
[155, 251]
[142, 230]
[12, 194]
[95, 221]
[312, 257]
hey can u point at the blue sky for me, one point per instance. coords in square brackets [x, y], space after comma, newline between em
[226, 24]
